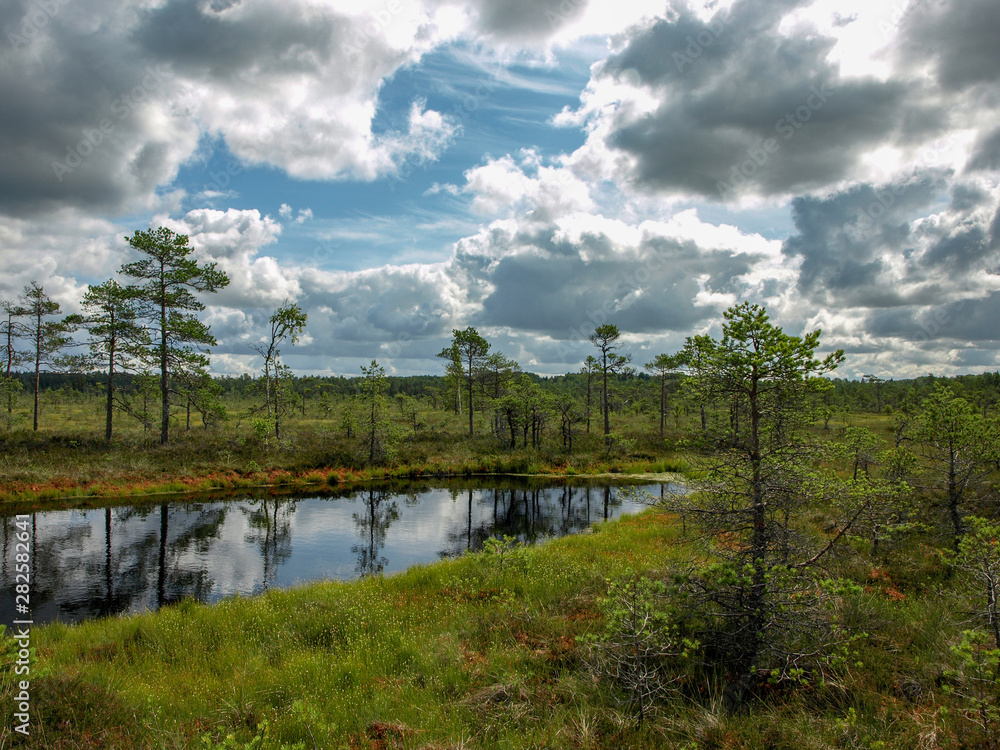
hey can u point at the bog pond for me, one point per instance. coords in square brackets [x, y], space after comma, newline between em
[104, 561]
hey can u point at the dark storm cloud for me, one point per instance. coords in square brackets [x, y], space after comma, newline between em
[747, 109]
[560, 289]
[959, 252]
[276, 39]
[666, 52]
[384, 305]
[959, 320]
[73, 130]
[986, 155]
[960, 36]
[103, 102]
[841, 237]
[525, 20]
[965, 197]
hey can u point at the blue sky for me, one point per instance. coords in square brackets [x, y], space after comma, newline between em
[392, 219]
[404, 168]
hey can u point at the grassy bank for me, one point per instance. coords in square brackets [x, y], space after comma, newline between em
[47, 470]
[485, 651]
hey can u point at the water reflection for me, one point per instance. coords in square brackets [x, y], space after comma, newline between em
[270, 522]
[373, 523]
[92, 563]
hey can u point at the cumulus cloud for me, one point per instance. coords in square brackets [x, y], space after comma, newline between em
[747, 101]
[873, 132]
[957, 38]
[504, 185]
[233, 239]
[107, 101]
[63, 251]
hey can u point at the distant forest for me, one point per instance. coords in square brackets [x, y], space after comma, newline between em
[869, 394]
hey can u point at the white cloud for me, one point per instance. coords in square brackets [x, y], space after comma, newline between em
[607, 232]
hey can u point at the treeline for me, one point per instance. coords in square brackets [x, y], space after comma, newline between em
[855, 395]
[510, 398]
[147, 355]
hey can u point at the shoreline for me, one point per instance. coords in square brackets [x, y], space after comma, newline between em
[54, 496]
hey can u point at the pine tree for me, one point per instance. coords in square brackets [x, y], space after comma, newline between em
[755, 493]
[117, 336]
[48, 337]
[170, 280]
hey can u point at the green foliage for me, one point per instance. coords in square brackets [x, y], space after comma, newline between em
[47, 337]
[640, 649]
[349, 421]
[976, 681]
[468, 350]
[169, 279]
[261, 429]
[380, 435]
[753, 500]
[664, 365]
[958, 451]
[287, 324]
[979, 557]
[117, 339]
[9, 388]
[263, 740]
[606, 338]
[507, 559]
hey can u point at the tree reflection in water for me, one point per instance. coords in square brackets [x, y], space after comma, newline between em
[91, 563]
[270, 521]
[373, 523]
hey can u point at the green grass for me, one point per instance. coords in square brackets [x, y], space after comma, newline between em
[476, 652]
[68, 459]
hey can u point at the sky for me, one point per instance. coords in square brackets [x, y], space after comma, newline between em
[532, 168]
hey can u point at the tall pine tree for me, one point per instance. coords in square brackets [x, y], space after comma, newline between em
[170, 278]
[117, 336]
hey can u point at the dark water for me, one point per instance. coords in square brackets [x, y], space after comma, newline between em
[104, 561]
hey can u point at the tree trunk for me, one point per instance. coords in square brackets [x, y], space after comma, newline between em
[470, 397]
[954, 498]
[604, 392]
[38, 368]
[371, 441]
[277, 420]
[756, 600]
[663, 402]
[993, 608]
[10, 361]
[164, 384]
[267, 384]
[590, 377]
[111, 393]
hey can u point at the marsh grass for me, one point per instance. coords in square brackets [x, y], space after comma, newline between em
[483, 651]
